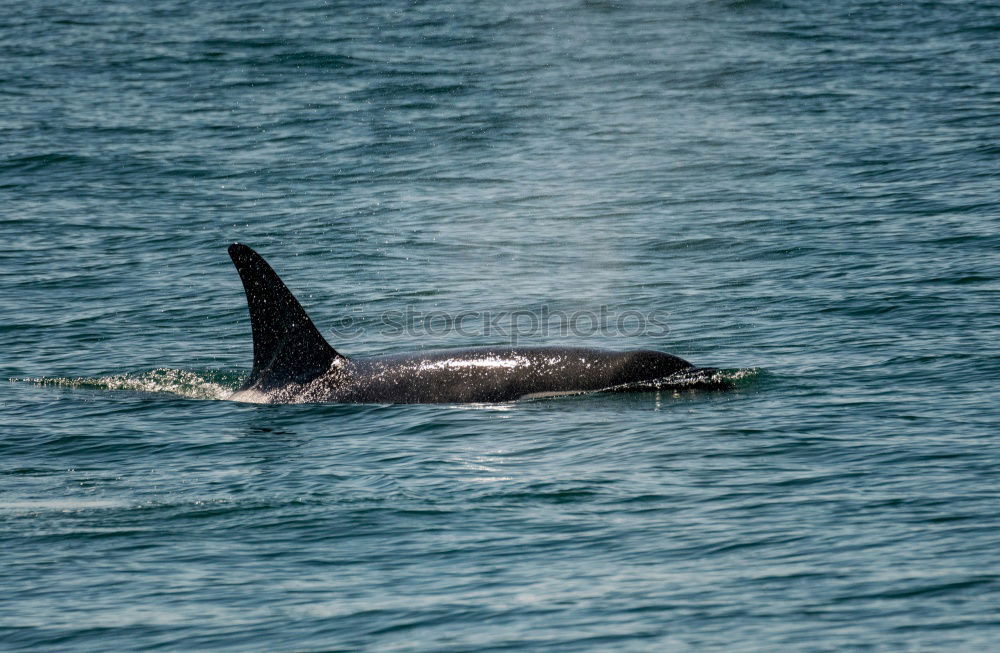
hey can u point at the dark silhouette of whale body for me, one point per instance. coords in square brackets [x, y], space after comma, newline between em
[292, 363]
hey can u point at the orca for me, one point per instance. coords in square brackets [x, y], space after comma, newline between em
[293, 363]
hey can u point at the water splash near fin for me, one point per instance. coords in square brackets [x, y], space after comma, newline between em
[193, 385]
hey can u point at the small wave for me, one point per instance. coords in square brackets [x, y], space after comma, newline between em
[59, 505]
[194, 385]
[696, 379]
[38, 162]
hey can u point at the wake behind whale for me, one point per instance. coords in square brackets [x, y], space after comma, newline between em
[293, 363]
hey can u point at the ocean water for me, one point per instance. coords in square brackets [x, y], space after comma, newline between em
[806, 194]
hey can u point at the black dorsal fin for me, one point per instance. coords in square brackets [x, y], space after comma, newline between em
[287, 347]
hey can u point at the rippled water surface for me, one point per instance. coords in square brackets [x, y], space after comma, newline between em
[805, 194]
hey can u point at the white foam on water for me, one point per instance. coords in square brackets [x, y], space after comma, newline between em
[178, 382]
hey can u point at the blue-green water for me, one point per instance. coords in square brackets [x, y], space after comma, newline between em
[808, 191]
